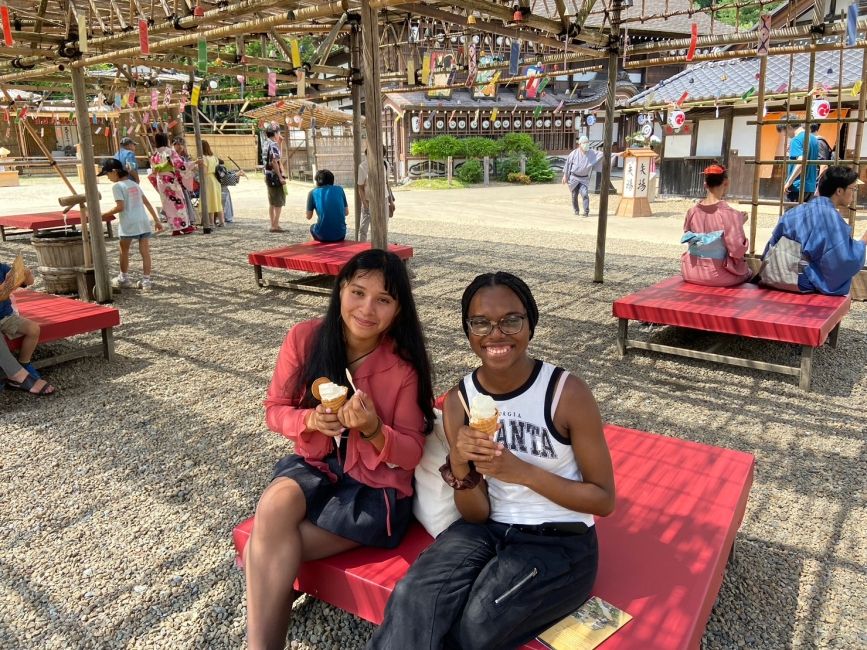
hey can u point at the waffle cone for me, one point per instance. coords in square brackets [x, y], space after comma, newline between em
[334, 404]
[488, 425]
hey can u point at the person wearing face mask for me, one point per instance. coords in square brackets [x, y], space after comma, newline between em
[576, 172]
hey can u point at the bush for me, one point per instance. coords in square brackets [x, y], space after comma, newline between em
[478, 147]
[438, 148]
[522, 179]
[507, 165]
[470, 172]
[518, 143]
[539, 169]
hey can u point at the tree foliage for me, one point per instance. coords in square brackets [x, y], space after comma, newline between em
[749, 16]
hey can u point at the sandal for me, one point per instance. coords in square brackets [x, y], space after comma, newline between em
[30, 369]
[28, 384]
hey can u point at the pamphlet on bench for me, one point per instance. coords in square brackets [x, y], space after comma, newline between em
[586, 627]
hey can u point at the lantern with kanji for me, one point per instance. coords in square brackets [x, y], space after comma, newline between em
[638, 164]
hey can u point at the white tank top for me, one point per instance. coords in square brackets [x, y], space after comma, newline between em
[527, 430]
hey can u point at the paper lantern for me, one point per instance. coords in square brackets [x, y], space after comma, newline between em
[676, 119]
[821, 109]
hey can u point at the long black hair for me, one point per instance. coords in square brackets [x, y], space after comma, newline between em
[326, 356]
[506, 279]
[161, 140]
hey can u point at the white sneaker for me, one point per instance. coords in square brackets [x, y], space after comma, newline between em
[146, 284]
[121, 282]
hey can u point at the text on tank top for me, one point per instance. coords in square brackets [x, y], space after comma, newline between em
[527, 430]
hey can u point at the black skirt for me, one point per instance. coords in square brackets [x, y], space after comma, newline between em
[346, 507]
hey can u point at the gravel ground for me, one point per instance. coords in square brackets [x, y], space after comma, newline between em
[119, 494]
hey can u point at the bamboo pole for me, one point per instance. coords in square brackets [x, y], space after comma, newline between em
[102, 286]
[859, 133]
[375, 186]
[204, 208]
[613, 56]
[355, 64]
[754, 211]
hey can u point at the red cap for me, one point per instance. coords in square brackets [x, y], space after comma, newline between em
[714, 169]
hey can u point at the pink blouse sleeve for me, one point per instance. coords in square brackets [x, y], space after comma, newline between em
[182, 170]
[282, 413]
[404, 437]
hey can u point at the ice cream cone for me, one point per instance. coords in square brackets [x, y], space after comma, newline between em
[335, 403]
[488, 425]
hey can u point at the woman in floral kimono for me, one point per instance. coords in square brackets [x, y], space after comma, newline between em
[180, 146]
[170, 175]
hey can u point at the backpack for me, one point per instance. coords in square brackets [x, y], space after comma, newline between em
[825, 151]
[222, 173]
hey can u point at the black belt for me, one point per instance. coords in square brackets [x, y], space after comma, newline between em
[565, 529]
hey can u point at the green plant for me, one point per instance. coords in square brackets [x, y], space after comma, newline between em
[470, 172]
[518, 143]
[539, 169]
[522, 179]
[438, 148]
[478, 147]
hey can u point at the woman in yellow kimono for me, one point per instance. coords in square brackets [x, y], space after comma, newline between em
[212, 188]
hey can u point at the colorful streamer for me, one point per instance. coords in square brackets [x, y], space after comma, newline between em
[272, 84]
[764, 31]
[143, 38]
[203, 56]
[7, 26]
[295, 50]
[693, 41]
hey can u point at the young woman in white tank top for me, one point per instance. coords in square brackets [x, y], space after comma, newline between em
[524, 553]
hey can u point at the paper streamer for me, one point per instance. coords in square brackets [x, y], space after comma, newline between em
[272, 84]
[764, 31]
[494, 114]
[473, 66]
[537, 111]
[693, 41]
[82, 34]
[749, 93]
[118, 100]
[410, 71]
[7, 26]
[425, 69]
[296, 53]
[514, 57]
[856, 88]
[682, 98]
[203, 56]
[143, 39]
[852, 24]
[155, 97]
[194, 97]
[560, 106]
[302, 82]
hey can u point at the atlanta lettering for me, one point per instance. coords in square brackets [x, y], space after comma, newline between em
[526, 438]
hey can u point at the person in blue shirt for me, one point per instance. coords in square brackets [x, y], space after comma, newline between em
[793, 171]
[126, 155]
[830, 256]
[329, 201]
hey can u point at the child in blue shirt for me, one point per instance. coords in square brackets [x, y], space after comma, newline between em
[329, 201]
[133, 221]
[13, 325]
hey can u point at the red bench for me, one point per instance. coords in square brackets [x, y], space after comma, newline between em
[805, 319]
[24, 224]
[60, 318]
[662, 553]
[325, 260]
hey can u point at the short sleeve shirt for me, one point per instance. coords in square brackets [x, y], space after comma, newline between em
[796, 152]
[330, 204]
[127, 158]
[272, 151]
[133, 219]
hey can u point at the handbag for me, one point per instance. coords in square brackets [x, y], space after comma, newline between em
[434, 501]
[782, 265]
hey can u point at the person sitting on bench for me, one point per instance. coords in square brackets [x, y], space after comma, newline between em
[12, 324]
[329, 201]
[811, 249]
[349, 482]
[715, 234]
[524, 552]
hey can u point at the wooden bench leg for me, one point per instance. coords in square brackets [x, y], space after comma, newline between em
[108, 231]
[108, 343]
[806, 373]
[3, 233]
[832, 337]
[622, 333]
[257, 271]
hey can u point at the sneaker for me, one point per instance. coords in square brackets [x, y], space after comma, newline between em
[121, 282]
[146, 284]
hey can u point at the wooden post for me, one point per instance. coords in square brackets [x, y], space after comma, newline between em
[859, 135]
[375, 188]
[486, 166]
[102, 286]
[355, 65]
[314, 165]
[523, 164]
[449, 168]
[757, 171]
[613, 54]
[204, 211]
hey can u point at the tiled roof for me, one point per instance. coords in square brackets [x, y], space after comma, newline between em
[589, 97]
[733, 78]
[673, 25]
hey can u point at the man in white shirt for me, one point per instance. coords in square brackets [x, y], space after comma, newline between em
[363, 172]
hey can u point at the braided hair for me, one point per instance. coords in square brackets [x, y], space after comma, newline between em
[506, 279]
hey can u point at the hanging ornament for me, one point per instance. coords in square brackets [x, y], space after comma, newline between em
[748, 94]
[676, 118]
[471, 19]
[852, 24]
[7, 26]
[693, 41]
[203, 56]
[764, 36]
[194, 96]
[295, 51]
[856, 88]
[682, 98]
[590, 120]
[167, 96]
[821, 109]
[198, 10]
[272, 84]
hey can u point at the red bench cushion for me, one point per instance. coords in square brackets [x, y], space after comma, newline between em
[317, 257]
[745, 310]
[38, 220]
[662, 553]
[60, 317]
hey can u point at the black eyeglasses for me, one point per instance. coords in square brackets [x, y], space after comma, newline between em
[508, 324]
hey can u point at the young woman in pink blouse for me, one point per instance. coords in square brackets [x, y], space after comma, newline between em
[715, 234]
[349, 480]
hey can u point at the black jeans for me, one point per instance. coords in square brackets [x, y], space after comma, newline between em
[487, 586]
